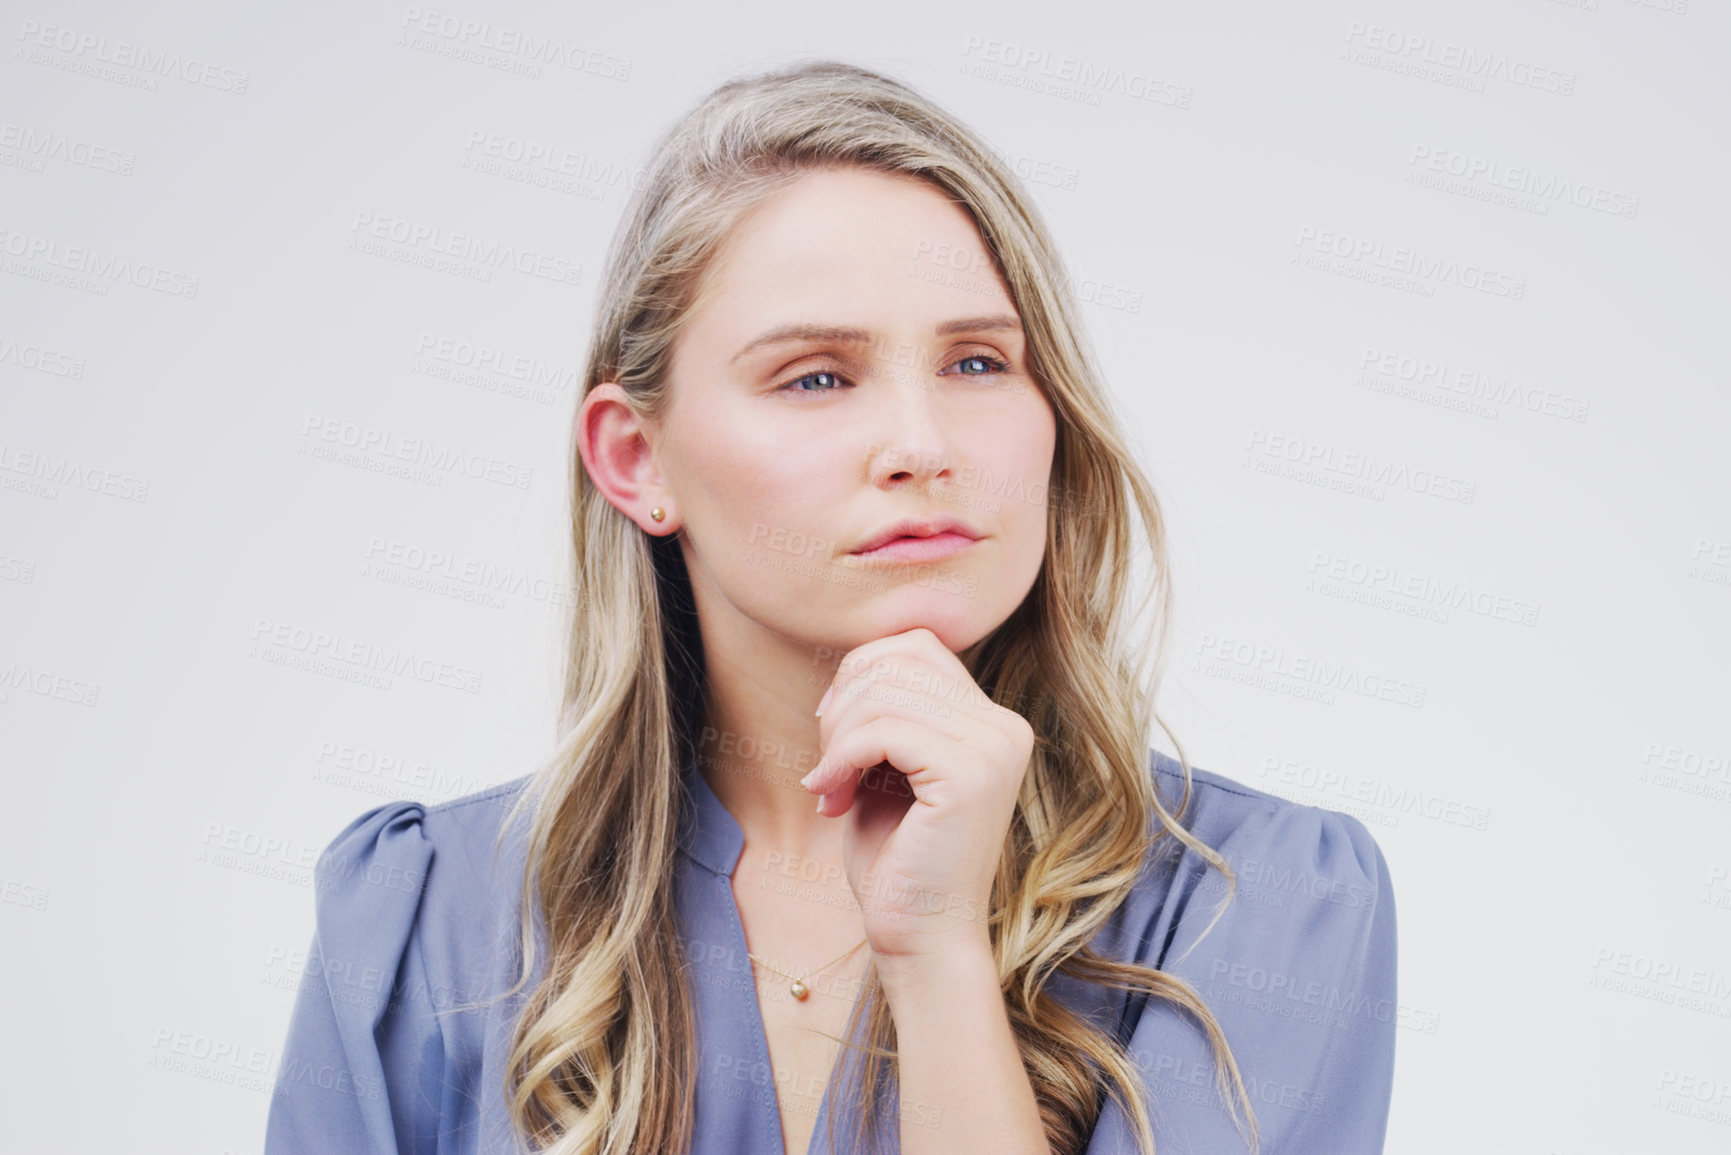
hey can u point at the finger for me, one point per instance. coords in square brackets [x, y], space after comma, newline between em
[877, 659]
[908, 747]
[880, 781]
[879, 654]
[906, 685]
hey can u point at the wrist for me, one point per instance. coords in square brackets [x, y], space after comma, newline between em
[939, 970]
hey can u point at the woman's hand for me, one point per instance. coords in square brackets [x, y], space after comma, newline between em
[926, 769]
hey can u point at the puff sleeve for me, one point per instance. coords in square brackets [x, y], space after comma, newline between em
[360, 1064]
[1299, 972]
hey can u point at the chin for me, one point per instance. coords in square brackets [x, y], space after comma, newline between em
[958, 621]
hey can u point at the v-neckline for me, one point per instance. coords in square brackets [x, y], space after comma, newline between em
[715, 839]
[823, 1106]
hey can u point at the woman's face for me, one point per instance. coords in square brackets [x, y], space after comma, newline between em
[784, 453]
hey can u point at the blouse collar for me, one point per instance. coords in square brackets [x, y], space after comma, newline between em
[710, 835]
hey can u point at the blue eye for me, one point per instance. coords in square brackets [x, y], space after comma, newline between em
[829, 381]
[997, 366]
[821, 373]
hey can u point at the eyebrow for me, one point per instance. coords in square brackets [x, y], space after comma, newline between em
[808, 331]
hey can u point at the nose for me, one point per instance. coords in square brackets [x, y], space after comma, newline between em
[914, 447]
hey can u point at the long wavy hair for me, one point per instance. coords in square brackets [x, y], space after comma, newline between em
[603, 1054]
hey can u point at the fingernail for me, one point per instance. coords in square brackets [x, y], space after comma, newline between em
[824, 701]
[820, 799]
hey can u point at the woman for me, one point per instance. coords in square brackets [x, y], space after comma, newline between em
[852, 519]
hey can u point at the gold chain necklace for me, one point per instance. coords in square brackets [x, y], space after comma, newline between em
[799, 990]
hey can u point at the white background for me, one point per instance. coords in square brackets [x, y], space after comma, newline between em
[1554, 808]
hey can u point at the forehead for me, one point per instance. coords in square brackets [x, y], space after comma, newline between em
[853, 246]
[870, 204]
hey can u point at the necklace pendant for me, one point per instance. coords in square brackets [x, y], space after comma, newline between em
[799, 990]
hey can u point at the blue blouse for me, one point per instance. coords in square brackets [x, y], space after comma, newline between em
[416, 916]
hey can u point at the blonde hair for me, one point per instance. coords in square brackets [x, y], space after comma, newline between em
[602, 1060]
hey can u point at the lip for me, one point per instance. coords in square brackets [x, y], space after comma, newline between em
[919, 539]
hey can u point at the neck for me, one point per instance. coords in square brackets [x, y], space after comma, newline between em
[759, 738]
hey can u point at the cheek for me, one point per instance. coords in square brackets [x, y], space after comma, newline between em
[1024, 452]
[744, 489]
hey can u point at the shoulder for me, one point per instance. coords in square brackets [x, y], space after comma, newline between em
[380, 864]
[1255, 831]
[454, 820]
[367, 1053]
[1294, 959]
[1304, 878]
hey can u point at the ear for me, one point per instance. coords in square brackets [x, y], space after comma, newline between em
[614, 444]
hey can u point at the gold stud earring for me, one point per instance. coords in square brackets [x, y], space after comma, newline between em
[657, 513]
